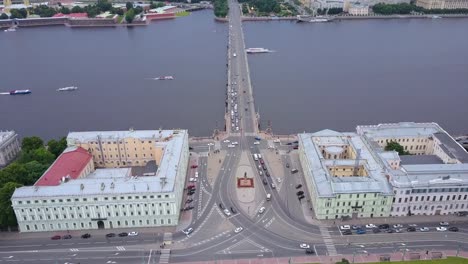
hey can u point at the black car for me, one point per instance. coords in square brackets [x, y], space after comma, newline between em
[264, 181]
[190, 193]
[299, 193]
[264, 167]
[233, 210]
[347, 232]
[123, 234]
[453, 229]
[86, 235]
[188, 208]
[267, 173]
[384, 226]
[110, 235]
[356, 227]
[189, 201]
[301, 197]
[390, 231]
[310, 251]
[411, 229]
[298, 186]
[66, 237]
[287, 165]
[289, 143]
[221, 206]
[376, 230]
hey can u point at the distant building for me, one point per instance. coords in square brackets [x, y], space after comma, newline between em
[343, 177]
[138, 182]
[9, 147]
[358, 10]
[442, 4]
[433, 180]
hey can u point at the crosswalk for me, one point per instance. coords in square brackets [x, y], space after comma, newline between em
[165, 254]
[120, 248]
[74, 249]
[328, 241]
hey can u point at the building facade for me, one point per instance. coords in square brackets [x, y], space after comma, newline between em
[9, 147]
[343, 177]
[442, 4]
[358, 10]
[112, 179]
[433, 180]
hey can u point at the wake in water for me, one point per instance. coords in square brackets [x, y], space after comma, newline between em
[4, 93]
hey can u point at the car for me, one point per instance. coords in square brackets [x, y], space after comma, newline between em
[233, 210]
[304, 245]
[413, 225]
[347, 232]
[67, 237]
[294, 171]
[267, 173]
[262, 162]
[189, 201]
[356, 227]
[86, 236]
[196, 174]
[276, 141]
[190, 193]
[110, 235]
[238, 230]
[361, 231]
[289, 143]
[398, 230]
[397, 226]
[226, 141]
[260, 172]
[257, 143]
[444, 224]
[390, 230]
[261, 210]
[345, 227]
[194, 166]
[210, 144]
[370, 226]
[226, 212]
[221, 206]
[192, 179]
[301, 197]
[273, 186]
[296, 147]
[133, 233]
[411, 229]
[299, 193]
[376, 230]
[279, 180]
[441, 228]
[235, 143]
[264, 167]
[310, 251]
[298, 186]
[384, 226]
[188, 231]
[231, 146]
[188, 208]
[264, 181]
[191, 187]
[424, 229]
[453, 229]
[287, 165]
[123, 234]
[56, 237]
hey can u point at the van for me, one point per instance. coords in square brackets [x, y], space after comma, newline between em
[255, 157]
[268, 197]
[259, 156]
[294, 170]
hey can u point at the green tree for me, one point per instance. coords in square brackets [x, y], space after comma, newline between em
[104, 5]
[7, 217]
[393, 145]
[129, 5]
[41, 155]
[24, 12]
[15, 13]
[4, 16]
[65, 10]
[57, 147]
[138, 10]
[34, 171]
[129, 16]
[77, 9]
[31, 143]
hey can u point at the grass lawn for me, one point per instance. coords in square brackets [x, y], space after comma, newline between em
[449, 260]
[183, 13]
[119, 19]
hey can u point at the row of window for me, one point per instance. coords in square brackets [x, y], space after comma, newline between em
[328, 204]
[434, 198]
[115, 142]
[155, 206]
[437, 190]
[426, 207]
[44, 216]
[337, 211]
[123, 156]
[400, 140]
[350, 196]
[94, 199]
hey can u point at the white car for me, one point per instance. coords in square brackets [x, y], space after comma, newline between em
[257, 143]
[345, 227]
[424, 229]
[235, 143]
[370, 226]
[231, 146]
[444, 224]
[133, 234]
[276, 141]
[226, 212]
[262, 210]
[397, 226]
[441, 228]
[239, 229]
[188, 231]
[192, 180]
[260, 172]
[279, 180]
[226, 141]
[196, 174]
[210, 144]
[304, 246]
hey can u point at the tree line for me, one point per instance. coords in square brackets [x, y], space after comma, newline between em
[32, 162]
[221, 8]
[264, 7]
[406, 9]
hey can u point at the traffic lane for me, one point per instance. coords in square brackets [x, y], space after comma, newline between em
[336, 230]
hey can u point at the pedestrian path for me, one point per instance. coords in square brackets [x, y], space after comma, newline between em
[165, 254]
[328, 241]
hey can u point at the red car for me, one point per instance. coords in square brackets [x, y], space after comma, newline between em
[56, 237]
[194, 166]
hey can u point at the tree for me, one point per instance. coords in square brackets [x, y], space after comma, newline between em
[138, 10]
[129, 16]
[7, 217]
[15, 13]
[129, 5]
[41, 155]
[393, 145]
[65, 10]
[104, 5]
[343, 261]
[4, 16]
[23, 12]
[31, 143]
[77, 9]
[57, 147]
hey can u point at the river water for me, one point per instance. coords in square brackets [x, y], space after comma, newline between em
[334, 75]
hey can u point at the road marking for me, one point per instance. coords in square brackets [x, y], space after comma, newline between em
[74, 249]
[120, 248]
[149, 257]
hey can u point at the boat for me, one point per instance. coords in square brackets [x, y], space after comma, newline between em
[18, 92]
[316, 19]
[69, 88]
[257, 50]
[12, 29]
[162, 78]
[435, 17]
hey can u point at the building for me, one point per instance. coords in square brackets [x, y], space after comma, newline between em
[112, 179]
[433, 180]
[358, 10]
[343, 176]
[442, 4]
[9, 147]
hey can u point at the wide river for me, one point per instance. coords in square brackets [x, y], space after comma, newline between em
[334, 75]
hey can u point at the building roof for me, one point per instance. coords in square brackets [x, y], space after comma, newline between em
[451, 147]
[5, 136]
[72, 15]
[87, 136]
[420, 159]
[402, 129]
[69, 164]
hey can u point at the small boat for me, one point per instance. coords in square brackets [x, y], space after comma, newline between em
[12, 29]
[257, 50]
[18, 92]
[69, 88]
[435, 17]
[162, 78]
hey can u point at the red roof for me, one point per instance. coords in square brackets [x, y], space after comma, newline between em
[72, 15]
[70, 163]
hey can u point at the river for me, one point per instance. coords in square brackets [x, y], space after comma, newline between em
[335, 75]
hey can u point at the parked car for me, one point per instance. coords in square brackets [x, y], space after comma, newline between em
[347, 232]
[301, 197]
[264, 181]
[376, 230]
[299, 193]
[194, 166]
[413, 225]
[86, 235]
[370, 226]
[361, 231]
[441, 228]
[304, 245]
[444, 224]
[390, 230]
[123, 234]
[411, 229]
[226, 212]
[384, 226]
[233, 210]
[345, 227]
[267, 173]
[110, 235]
[189, 201]
[262, 210]
[356, 227]
[67, 237]
[424, 229]
[56, 237]
[188, 231]
[397, 226]
[190, 187]
[273, 186]
[264, 167]
[133, 233]
[453, 229]
[298, 186]
[310, 251]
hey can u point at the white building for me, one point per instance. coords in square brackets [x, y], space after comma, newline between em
[9, 147]
[139, 183]
[433, 180]
[358, 10]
